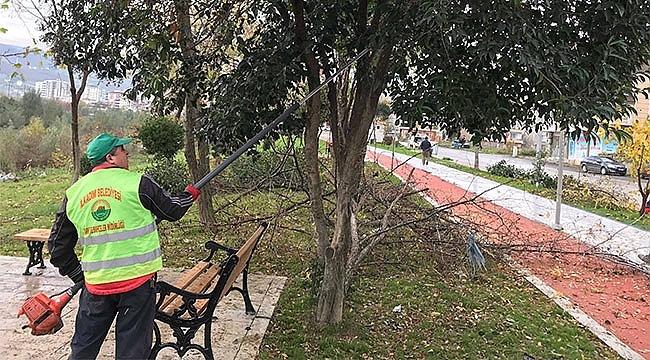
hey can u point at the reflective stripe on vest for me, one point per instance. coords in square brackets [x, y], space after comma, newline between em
[116, 263]
[124, 235]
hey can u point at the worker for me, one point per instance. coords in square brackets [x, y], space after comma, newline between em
[113, 213]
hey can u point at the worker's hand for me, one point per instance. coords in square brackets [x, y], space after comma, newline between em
[194, 191]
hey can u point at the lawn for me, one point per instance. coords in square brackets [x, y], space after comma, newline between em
[403, 304]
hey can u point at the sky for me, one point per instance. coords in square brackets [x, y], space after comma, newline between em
[20, 23]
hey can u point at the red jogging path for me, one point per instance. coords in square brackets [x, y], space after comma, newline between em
[616, 296]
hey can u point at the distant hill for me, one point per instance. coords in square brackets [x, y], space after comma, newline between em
[38, 68]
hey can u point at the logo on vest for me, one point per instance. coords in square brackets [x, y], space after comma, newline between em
[101, 210]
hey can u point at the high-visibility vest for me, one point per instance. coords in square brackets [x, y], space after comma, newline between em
[118, 236]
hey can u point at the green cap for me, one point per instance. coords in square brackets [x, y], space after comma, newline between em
[102, 145]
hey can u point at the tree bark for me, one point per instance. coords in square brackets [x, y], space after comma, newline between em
[75, 98]
[197, 151]
[350, 137]
[352, 109]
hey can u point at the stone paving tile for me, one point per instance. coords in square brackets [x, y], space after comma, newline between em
[235, 335]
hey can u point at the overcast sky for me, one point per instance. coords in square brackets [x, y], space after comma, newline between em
[20, 25]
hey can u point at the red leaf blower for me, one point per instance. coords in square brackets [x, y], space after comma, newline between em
[44, 313]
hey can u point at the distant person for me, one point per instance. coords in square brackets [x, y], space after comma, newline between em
[425, 146]
[111, 212]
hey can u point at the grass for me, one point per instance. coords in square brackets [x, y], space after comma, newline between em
[447, 314]
[496, 315]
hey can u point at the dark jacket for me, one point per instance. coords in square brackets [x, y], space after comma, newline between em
[425, 145]
[63, 237]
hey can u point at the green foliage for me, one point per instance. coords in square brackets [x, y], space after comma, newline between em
[502, 168]
[32, 149]
[161, 136]
[270, 168]
[383, 110]
[48, 140]
[169, 173]
[490, 64]
[539, 177]
[85, 165]
[536, 176]
[8, 149]
[10, 112]
[32, 106]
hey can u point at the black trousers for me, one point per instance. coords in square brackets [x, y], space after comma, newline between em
[135, 311]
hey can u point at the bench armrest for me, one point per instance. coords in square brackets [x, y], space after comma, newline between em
[214, 247]
[188, 299]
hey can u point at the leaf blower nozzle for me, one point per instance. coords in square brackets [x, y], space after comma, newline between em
[44, 313]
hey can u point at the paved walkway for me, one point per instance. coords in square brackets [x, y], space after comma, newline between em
[235, 335]
[610, 299]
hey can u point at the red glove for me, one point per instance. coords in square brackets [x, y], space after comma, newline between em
[194, 191]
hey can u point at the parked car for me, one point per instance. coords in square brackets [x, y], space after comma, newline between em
[459, 144]
[603, 164]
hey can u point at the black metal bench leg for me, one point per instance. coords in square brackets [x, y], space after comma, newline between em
[207, 340]
[35, 255]
[250, 310]
[157, 342]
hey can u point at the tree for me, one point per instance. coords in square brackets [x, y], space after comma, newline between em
[178, 47]
[32, 105]
[87, 38]
[479, 65]
[636, 152]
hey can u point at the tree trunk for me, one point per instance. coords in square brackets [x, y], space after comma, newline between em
[476, 156]
[199, 165]
[75, 98]
[352, 110]
[332, 293]
[352, 131]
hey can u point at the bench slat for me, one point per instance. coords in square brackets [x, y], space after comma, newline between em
[197, 280]
[243, 254]
[186, 278]
[33, 235]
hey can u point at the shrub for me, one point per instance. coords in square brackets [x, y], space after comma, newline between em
[8, 149]
[273, 167]
[85, 165]
[538, 177]
[161, 136]
[33, 150]
[171, 174]
[502, 168]
[58, 159]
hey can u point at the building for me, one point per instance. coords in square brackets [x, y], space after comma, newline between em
[53, 89]
[93, 95]
[117, 99]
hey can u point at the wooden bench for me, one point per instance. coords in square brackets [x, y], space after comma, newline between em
[189, 303]
[34, 238]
